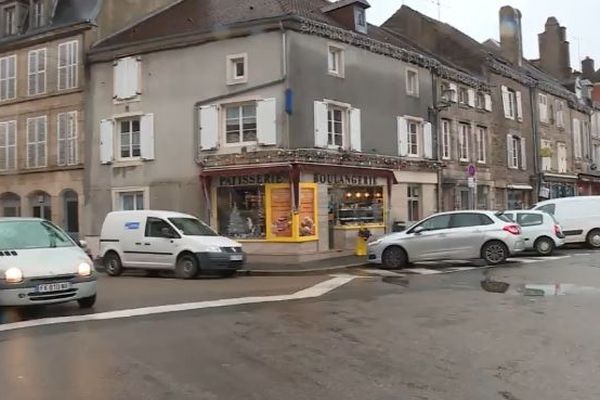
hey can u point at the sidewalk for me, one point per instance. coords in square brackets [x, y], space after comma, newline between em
[319, 267]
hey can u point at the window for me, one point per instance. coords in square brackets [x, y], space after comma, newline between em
[240, 124]
[585, 139]
[8, 78]
[131, 201]
[414, 202]
[562, 158]
[336, 126]
[67, 138]
[129, 138]
[355, 205]
[241, 212]
[560, 119]
[335, 61]
[546, 155]
[445, 91]
[8, 145]
[413, 138]
[37, 72]
[68, 61]
[464, 132]
[156, 227]
[36, 142]
[510, 100]
[515, 147]
[360, 19]
[577, 145]
[446, 139]
[480, 100]
[463, 96]
[37, 14]
[9, 19]
[434, 223]
[465, 220]
[543, 107]
[481, 144]
[596, 154]
[237, 69]
[529, 219]
[412, 82]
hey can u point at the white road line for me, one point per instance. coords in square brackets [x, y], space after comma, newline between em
[423, 271]
[379, 272]
[461, 269]
[317, 290]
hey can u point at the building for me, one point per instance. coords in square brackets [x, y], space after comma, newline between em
[288, 128]
[42, 103]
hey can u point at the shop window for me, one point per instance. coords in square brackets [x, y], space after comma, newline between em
[241, 212]
[414, 203]
[356, 205]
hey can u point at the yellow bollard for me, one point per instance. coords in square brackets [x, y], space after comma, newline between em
[361, 246]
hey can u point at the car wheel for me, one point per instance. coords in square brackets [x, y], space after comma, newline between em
[112, 264]
[394, 258]
[187, 267]
[544, 246]
[593, 239]
[494, 253]
[87, 302]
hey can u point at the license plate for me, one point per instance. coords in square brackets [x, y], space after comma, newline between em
[237, 257]
[53, 287]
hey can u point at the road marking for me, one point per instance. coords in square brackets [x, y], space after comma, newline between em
[317, 290]
[422, 271]
[379, 272]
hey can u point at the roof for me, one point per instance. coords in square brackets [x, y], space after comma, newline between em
[345, 3]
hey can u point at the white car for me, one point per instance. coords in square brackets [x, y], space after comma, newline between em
[457, 235]
[166, 240]
[41, 264]
[541, 231]
[579, 217]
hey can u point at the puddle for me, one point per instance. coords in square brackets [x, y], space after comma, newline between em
[538, 290]
[494, 287]
[396, 280]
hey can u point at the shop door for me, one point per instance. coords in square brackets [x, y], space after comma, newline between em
[331, 218]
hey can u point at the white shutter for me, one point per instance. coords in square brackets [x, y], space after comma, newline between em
[488, 102]
[321, 134]
[266, 121]
[453, 92]
[147, 137]
[402, 136]
[133, 77]
[209, 127]
[523, 154]
[427, 140]
[471, 97]
[577, 138]
[61, 129]
[106, 141]
[126, 78]
[355, 130]
[510, 150]
[519, 106]
[506, 102]
[118, 78]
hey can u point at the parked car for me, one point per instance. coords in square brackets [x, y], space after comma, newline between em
[579, 217]
[451, 235]
[166, 240]
[541, 232]
[41, 264]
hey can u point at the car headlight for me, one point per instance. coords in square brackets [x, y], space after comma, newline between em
[13, 275]
[84, 269]
[213, 249]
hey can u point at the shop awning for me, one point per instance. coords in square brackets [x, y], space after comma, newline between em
[519, 187]
[560, 176]
[589, 178]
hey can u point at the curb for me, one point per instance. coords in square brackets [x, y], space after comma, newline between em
[298, 272]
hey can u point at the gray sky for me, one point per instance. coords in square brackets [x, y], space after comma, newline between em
[479, 19]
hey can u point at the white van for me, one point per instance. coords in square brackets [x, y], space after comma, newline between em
[578, 216]
[161, 240]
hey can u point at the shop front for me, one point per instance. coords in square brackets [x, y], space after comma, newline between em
[519, 197]
[555, 186]
[589, 185]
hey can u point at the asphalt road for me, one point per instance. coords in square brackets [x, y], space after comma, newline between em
[422, 337]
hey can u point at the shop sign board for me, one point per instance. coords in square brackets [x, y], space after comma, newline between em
[345, 179]
[250, 180]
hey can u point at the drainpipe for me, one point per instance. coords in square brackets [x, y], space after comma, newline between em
[536, 143]
[435, 124]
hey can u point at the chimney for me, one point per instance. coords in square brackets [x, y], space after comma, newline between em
[511, 38]
[555, 57]
[588, 68]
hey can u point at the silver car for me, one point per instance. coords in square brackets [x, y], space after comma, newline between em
[541, 232]
[457, 235]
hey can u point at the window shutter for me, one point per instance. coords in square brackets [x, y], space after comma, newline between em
[402, 136]
[471, 97]
[118, 79]
[31, 138]
[209, 127]
[454, 92]
[510, 150]
[488, 102]
[62, 139]
[523, 154]
[147, 137]
[31, 70]
[506, 102]
[320, 117]
[355, 130]
[106, 141]
[519, 106]
[266, 120]
[12, 141]
[427, 140]
[133, 73]
[41, 137]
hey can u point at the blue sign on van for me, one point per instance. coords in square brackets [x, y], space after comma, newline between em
[132, 225]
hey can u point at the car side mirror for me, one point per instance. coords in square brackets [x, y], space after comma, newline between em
[83, 244]
[418, 230]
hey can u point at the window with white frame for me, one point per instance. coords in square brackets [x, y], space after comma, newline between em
[360, 19]
[516, 153]
[543, 107]
[68, 63]
[36, 71]
[480, 101]
[36, 142]
[597, 153]
[445, 91]
[237, 69]
[464, 132]
[561, 149]
[8, 145]
[560, 118]
[463, 96]
[131, 201]
[335, 60]
[129, 138]
[481, 134]
[413, 196]
[412, 82]
[8, 78]
[67, 138]
[446, 139]
[414, 128]
[577, 140]
[9, 20]
[37, 17]
[546, 154]
[240, 123]
[510, 100]
[585, 138]
[336, 126]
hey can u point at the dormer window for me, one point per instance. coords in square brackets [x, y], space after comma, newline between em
[37, 14]
[9, 15]
[360, 19]
[349, 13]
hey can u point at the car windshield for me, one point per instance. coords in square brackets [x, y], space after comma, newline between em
[505, 217]
[192, 227]
[22, 235]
